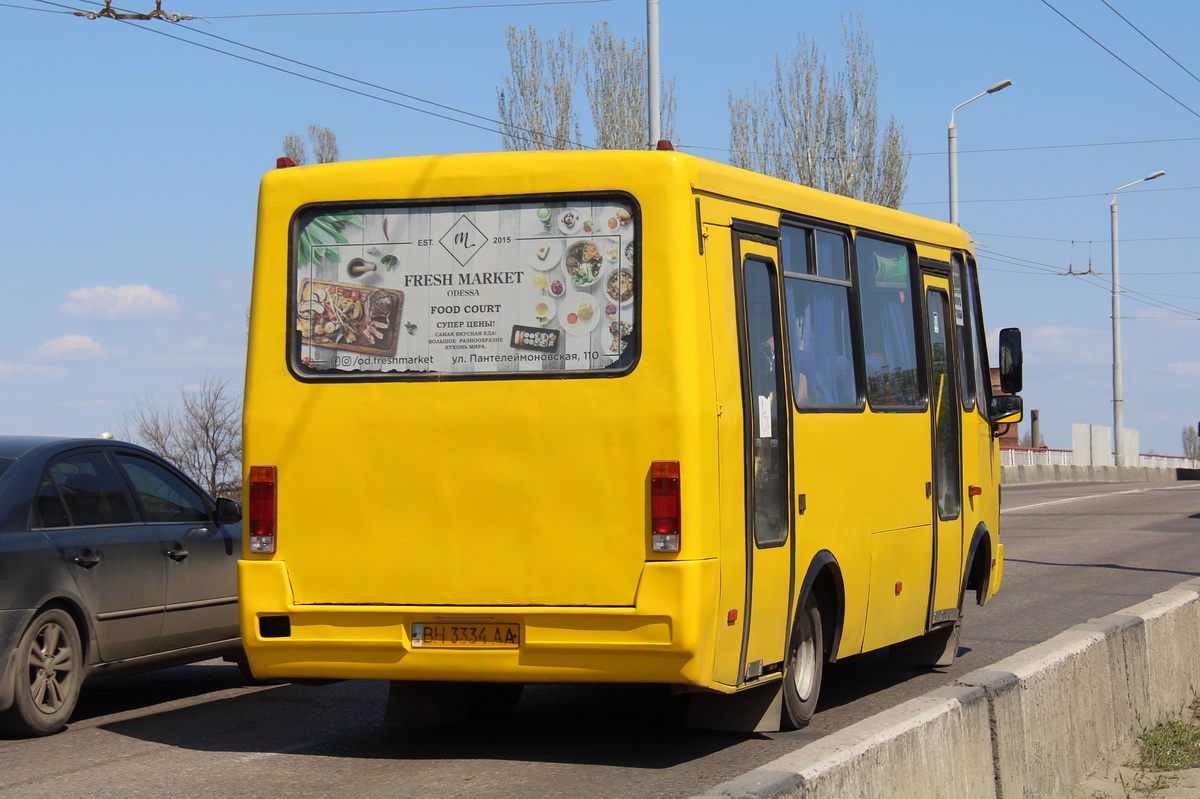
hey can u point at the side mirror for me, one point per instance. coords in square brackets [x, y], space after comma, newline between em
[1006, 410]
[228, 511]
[1011, 361]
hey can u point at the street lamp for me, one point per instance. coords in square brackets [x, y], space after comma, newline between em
[653, 75]
[1118, 399]
[952, 136]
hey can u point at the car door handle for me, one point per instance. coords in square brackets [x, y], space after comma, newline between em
[87, 561]
[177, 554]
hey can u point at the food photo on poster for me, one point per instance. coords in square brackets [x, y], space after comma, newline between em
[416, 291]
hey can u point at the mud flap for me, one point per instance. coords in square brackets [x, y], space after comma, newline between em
[757, 709]
[938, 647]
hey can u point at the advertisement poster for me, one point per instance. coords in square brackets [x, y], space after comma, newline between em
[467, 289]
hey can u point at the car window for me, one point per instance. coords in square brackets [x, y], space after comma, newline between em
[5, 463]
[165, 498]
[81, 490]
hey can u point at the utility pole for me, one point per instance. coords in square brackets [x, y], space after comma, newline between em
[653, 88]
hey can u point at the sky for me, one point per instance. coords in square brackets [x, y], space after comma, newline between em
[133, 157]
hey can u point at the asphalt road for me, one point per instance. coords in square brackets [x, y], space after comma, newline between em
[1074, 552]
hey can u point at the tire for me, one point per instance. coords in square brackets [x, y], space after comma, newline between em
[804, 668]
[47, 672]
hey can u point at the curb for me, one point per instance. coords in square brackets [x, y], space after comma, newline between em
[1033, 724]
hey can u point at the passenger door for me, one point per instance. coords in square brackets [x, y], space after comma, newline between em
[946, 416]
[766, 410]
[116, 561]
[981, 496]
[201, 556]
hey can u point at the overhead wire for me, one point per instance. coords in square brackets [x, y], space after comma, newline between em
[1128, 66]
[1033, 268]
[515, 131]
[1156, 45]
[491, 120]
[30, 8]
[1057, 197]
[1012, 260]
[409, 10]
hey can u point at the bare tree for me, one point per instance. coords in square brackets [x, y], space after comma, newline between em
[293, 148]
[1191, 442]
[202, 435]
[324, 146]
[1027, 441]
[616, 91]
[537, 101]
[819, 129]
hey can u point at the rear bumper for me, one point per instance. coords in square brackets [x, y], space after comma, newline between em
[666, 637]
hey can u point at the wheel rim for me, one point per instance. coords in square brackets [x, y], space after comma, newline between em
[804, 662]
[51, 668]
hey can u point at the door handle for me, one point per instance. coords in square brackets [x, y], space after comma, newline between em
[177, 554]
[87, 561]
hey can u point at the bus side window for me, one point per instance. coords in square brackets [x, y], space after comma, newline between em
[818, 318]
[821, 344]
[889, 325]
[964, 318]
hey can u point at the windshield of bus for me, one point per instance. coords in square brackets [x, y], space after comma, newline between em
[504, 288]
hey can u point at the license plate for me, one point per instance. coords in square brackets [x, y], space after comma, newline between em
[465, 635]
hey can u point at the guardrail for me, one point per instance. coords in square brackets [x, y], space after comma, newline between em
[1026, 456]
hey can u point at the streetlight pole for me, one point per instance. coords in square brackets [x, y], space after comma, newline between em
[653, 79]
[1118, 388]
[952, 137]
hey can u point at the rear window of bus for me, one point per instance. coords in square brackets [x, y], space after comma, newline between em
[522, 288]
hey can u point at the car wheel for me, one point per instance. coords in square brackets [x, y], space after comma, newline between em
[48, 672]
[804, 668]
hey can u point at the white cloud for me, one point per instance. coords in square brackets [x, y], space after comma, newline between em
[72, 345]
[18, 371]
[1184, 368]
[114, 303]
[1069, 345]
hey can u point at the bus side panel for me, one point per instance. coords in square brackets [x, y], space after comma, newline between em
[863, 477]
[827, 448]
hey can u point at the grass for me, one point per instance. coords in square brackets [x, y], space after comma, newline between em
[1172, 745]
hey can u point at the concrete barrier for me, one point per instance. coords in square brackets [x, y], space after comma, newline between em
[1062, 473]
[1031, 725]
[934, 745]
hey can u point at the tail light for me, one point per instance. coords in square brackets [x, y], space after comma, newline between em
[664, 506]
[263, 509]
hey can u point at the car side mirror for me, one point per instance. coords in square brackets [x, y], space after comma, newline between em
[1011, 361]
[1006, 410]
[228, 511]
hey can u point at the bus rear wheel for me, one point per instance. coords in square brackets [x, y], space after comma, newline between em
[805, 666]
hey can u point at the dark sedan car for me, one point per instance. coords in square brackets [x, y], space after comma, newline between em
[111, 561]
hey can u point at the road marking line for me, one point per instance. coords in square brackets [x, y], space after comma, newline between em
[1095, 496]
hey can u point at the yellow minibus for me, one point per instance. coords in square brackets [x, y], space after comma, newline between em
[586, 417]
